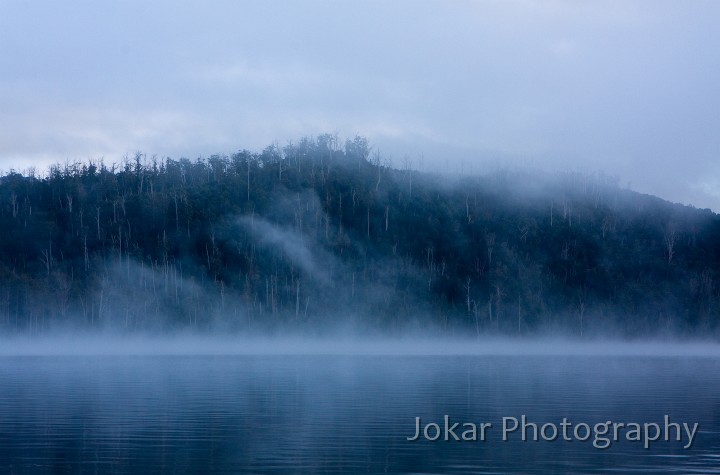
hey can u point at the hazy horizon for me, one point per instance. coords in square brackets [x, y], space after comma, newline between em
[99, 344]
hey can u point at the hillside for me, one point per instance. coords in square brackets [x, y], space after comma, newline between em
[317, 235]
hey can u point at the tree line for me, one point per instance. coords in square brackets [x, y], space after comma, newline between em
[322, 233]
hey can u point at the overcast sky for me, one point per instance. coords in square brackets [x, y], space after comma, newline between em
[629, 88]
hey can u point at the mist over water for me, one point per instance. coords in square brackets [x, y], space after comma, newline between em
[189, 345]
[213, 403]
[346, 413]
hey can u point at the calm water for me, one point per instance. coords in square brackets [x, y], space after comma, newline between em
[345, 414]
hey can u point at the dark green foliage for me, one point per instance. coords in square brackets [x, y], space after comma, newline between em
[315, 235]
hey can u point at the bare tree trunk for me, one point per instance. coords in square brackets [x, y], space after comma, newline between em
[670, 239]
[368, 221]
[467, 293]
[97, 220]
[490, 242]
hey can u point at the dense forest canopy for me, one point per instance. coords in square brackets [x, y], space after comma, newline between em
[322, 235]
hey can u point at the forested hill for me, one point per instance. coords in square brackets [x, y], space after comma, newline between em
[319, 235]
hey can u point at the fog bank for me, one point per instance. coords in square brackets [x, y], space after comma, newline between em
[242, 346]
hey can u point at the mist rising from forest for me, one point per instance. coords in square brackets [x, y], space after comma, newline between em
[322, 237]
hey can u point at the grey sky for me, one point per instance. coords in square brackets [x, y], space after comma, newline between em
[630, 88]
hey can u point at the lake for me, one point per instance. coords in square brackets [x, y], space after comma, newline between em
[343, 413]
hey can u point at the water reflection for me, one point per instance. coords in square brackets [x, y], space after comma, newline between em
[349, 414]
